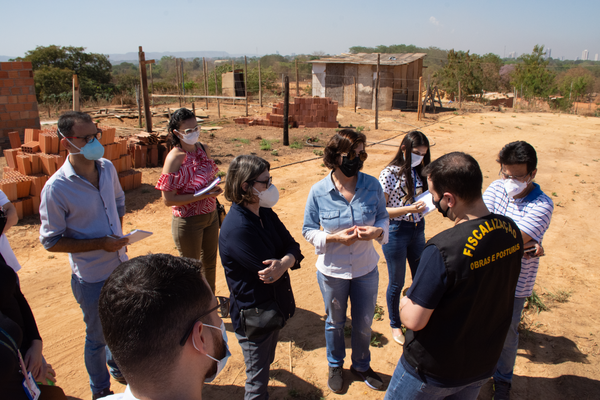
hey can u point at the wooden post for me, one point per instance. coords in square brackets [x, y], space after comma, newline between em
[193, 109]
[144, 85]
[259, 84]
[286, 101]
[377, 94]
[355, 94]
[297, 80]
[246, 82]
[139, 104]
[151, 84]
[76, 94]
[419, 102]
[459, 96]
[182, 79]
[233, 72]
[177, 70]
[216, 94]
[205, 80]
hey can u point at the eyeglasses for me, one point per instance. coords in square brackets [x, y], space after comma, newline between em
[188, 131]
[88, 138]
[267, 182]
[506, 176]
[222, 303]
[352, 155]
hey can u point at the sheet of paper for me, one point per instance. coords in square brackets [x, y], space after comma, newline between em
[427, 198]
[137, 235]
[208, 188]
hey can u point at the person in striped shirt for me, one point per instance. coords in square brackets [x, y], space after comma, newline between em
[516, 196]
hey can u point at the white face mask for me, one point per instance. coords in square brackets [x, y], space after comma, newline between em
[190, 138]
[514, 187]
[415, 159]
[220, 363]
[268, 198]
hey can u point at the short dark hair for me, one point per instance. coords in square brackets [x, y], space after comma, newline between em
[180, 115]
[342, 142]
[518, 152]
[244, 168]
[457, 173]
[67, 121]
[145, 307]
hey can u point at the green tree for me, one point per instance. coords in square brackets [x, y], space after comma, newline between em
[576, 83]
[54, 66]
[464, 68]
[532, 75]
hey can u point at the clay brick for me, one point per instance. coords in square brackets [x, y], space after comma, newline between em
[13, 74]
[32, 135]
[3, 74]
[11, 157]
[15, 139]
[31, 147]
[5, 91]
[36, 164]
[31, 98]
[19, 206]
[26, 65]
[15, 91]
[36, 204]
[24, 165]
[26, 74]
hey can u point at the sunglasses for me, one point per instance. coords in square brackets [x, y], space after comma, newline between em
[222, 304]
[267, 182]
[188, 131]
[352, 155]
[88, 138]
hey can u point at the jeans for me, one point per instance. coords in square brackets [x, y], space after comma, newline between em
[404, 386]
[363, 296]
[258, 356]
[96, 353]
[198, 237]
[407, 241]
[506, 363]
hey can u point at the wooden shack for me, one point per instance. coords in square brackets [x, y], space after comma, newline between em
[350, 78]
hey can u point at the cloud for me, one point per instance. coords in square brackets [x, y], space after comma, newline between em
[434, 21]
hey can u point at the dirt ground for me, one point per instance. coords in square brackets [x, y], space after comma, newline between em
[558, 353]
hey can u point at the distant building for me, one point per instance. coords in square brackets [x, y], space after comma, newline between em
[335, 77]
[584, 55]
[549, 53]
[596, 58]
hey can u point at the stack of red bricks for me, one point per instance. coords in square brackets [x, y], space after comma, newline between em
[148, 149]
[309, 112]
[18, 104]
[30, 165]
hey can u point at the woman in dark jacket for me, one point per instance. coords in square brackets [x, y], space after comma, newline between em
[256, 251]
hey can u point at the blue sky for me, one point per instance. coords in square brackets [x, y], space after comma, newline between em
[264, 27]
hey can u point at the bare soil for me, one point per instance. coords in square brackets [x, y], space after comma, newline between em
[558, 353]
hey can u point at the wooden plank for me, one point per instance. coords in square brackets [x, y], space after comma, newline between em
[216, 93]
[76, 94]
[144, 85]
[246, 82]
[259, 84]
[377, 94]
[205, 80]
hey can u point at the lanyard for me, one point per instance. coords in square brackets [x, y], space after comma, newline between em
[14, 348]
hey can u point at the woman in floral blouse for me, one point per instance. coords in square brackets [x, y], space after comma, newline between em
[187, 169]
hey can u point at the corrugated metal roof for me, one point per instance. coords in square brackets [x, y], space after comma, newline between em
[371, 58]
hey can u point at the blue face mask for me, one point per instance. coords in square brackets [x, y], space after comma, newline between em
[92, 150]
[222, 362]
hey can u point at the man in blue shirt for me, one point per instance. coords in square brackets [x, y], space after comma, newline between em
[81, 210]
[516, 196]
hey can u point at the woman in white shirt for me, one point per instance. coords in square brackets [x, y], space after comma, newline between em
[402, 182]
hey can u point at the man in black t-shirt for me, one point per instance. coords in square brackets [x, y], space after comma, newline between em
[459, 306]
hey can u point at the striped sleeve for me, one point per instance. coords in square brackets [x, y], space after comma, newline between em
[536, 218]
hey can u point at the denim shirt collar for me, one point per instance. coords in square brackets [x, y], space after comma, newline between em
[360, 183]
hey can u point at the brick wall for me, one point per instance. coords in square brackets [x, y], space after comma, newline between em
[18, 104]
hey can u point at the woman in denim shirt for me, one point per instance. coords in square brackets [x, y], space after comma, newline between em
[350, 207]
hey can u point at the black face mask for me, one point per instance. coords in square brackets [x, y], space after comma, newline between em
[439, 207]
[351, 167]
